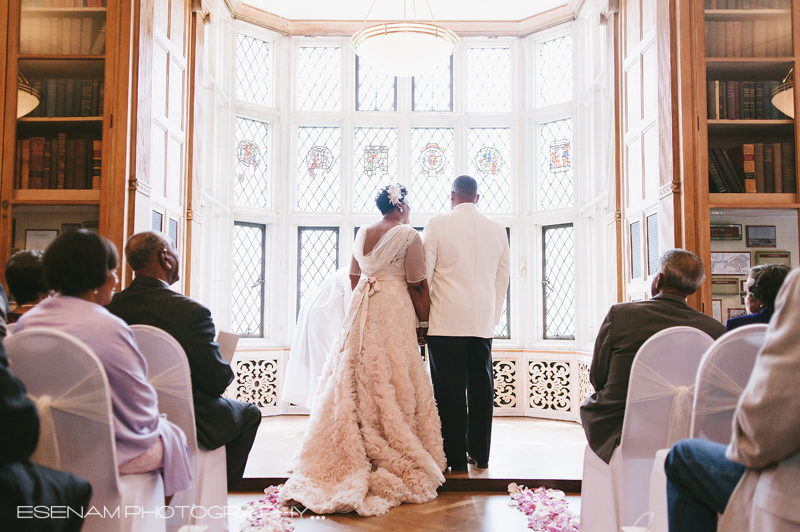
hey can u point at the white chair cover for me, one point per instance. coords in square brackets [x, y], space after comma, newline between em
[657, 412]
[658, 494]
[723, 374]
[170, 376]
[10, 327]
[598, 512]
[68, 382]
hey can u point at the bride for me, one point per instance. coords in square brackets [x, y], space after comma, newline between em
[374, 436]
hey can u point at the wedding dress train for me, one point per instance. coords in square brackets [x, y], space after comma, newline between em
[374, 436]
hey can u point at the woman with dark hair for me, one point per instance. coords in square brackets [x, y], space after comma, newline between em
[82, 267]
[763, 284]
[374, 437]
[25, 278]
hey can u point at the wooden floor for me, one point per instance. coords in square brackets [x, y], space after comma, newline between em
[468, 512]
[530, 451]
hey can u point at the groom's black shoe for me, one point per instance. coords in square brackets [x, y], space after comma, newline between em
[478, 465]
[459, 468]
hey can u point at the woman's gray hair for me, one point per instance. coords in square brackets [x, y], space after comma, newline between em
[681, 270]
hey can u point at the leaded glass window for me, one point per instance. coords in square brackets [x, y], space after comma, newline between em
[432, 169]
[503, 329]
[173, 232]
[375, 164]
[558, 282]
[248, 279]
[318, 150]
[489, 80]
[319, 78]
[374, 91]
[636, 250]
[555, 140]
[555, 71]
[434, 91]
[652, 244]
[156, 221]
[490, 163]
[250, 163]
[317, 259]
[253, 77]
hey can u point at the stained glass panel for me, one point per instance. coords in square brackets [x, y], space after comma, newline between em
[434, 91]
[432, 169]
[652, 244]
[374, 91]
[250, 163]
[248, 279]
[253, 78]
[318, 150]
[559, 282]
[489, 80]
[317, 259]
[555, 141]
[490, 163]
[555, 71]
[319, 78]
[636, 250]
[375, 164]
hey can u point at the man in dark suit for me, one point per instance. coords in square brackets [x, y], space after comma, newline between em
[626, 327]
[60, 498]
[149, 301]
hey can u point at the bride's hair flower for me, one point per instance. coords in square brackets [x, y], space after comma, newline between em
[395, 194]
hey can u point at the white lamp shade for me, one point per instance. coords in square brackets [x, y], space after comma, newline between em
[783, 100]
[405, 49]
[27, 99]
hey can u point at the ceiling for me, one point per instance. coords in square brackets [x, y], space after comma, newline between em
[443, 10]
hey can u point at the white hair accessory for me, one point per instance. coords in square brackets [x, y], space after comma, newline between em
[395, 194]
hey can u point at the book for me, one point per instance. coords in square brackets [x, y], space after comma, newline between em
[735, 182]
[758, 163]
[728, 181]
[742, 159]
[53, 165]
[76, 96]
[86, 36]
[711, 101]
[97, 163]
[759, 100]
[37, 86]
[26, 164]
[100, 98]
[747, 39]
[787, 167]
[69, 165]
[48, 157]
[95, 97]
[715, 183]
[721, 38]
[759, 38]
[99, 45]
[18, 166]
[51, 97]
[61, 91]
[737, 39]
[69, 98]
[62, 159]
[723, 100]
[729, 39]
[36, 171]
[80, 164]
[777, 176]
[86, 97]
[731, 100]
[772, 41]
[769, 168]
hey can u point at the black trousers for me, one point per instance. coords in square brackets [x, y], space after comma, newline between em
[462, 364]
[238, 449]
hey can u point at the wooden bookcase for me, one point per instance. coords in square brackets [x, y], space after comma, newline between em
[753, 61]
[75, 45]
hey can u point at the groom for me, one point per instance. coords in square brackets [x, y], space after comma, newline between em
[467, 266]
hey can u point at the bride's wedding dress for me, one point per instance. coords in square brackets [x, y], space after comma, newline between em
[374, 437]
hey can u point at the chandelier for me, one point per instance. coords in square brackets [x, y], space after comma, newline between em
[404, 48]
[27, 96]
[783, 95]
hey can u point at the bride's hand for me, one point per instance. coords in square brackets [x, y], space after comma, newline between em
[422, 335]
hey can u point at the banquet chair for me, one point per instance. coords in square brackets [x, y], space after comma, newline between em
[67, 382]
[723, 373]
[170, 376]
[657, 414]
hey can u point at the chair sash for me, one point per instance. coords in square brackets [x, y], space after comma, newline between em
[85, 399]
[172, 382]
[717, 378]
[653, 386]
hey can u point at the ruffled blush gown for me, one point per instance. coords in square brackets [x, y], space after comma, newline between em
[374, 436]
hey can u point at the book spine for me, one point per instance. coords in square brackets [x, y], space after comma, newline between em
[100, 98]
[714, 154]
[80, 164]
[53, 184]
[731, 100]
[769, 169]
[723, 100]
[36, 172]
[737, 183]
[729, 39]
[95, 97]
[777, 168]
[18, 166]
[26, 164]
[48, 156]
[711, 101]
[51, 97]
[62, 159]
[86, 97]
[737, 39]
[758, 166]
[759, 100]
[749, 167]
[69, 165]
[76, 97]
[37, 85]
[788, 168]
[760, 38]
[69, 98]
[97, 163]
[714, 180]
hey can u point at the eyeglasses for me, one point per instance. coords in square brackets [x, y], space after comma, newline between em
[745, 293]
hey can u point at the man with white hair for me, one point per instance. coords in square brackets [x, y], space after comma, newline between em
[629, 325]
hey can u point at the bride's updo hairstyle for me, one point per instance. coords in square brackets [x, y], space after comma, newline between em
[390, 197]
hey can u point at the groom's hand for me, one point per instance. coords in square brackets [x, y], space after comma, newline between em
[422, 335]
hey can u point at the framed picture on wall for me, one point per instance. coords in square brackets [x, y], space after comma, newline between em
[65, 228]
[761, 236]
[716, 309]
[742, 289]
[736, 312]
[725, 285]
[726, 232]
[774, 257]
[730, 263]
[39, 238]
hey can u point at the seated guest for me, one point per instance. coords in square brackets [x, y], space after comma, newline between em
[24, 484]
[763, 284]
[626, 327]
[753, 481]
[82, 267]
[149, 301]
[25, 278]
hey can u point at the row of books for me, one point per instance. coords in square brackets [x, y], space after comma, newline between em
[742, 100]
[65, 35]
[748, 4]
[64, 3]
[753, 168]
[69, 97]
[754, 38]
[58, 163]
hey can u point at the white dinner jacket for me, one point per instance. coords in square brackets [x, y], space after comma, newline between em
[467, 266]
[766, 428]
